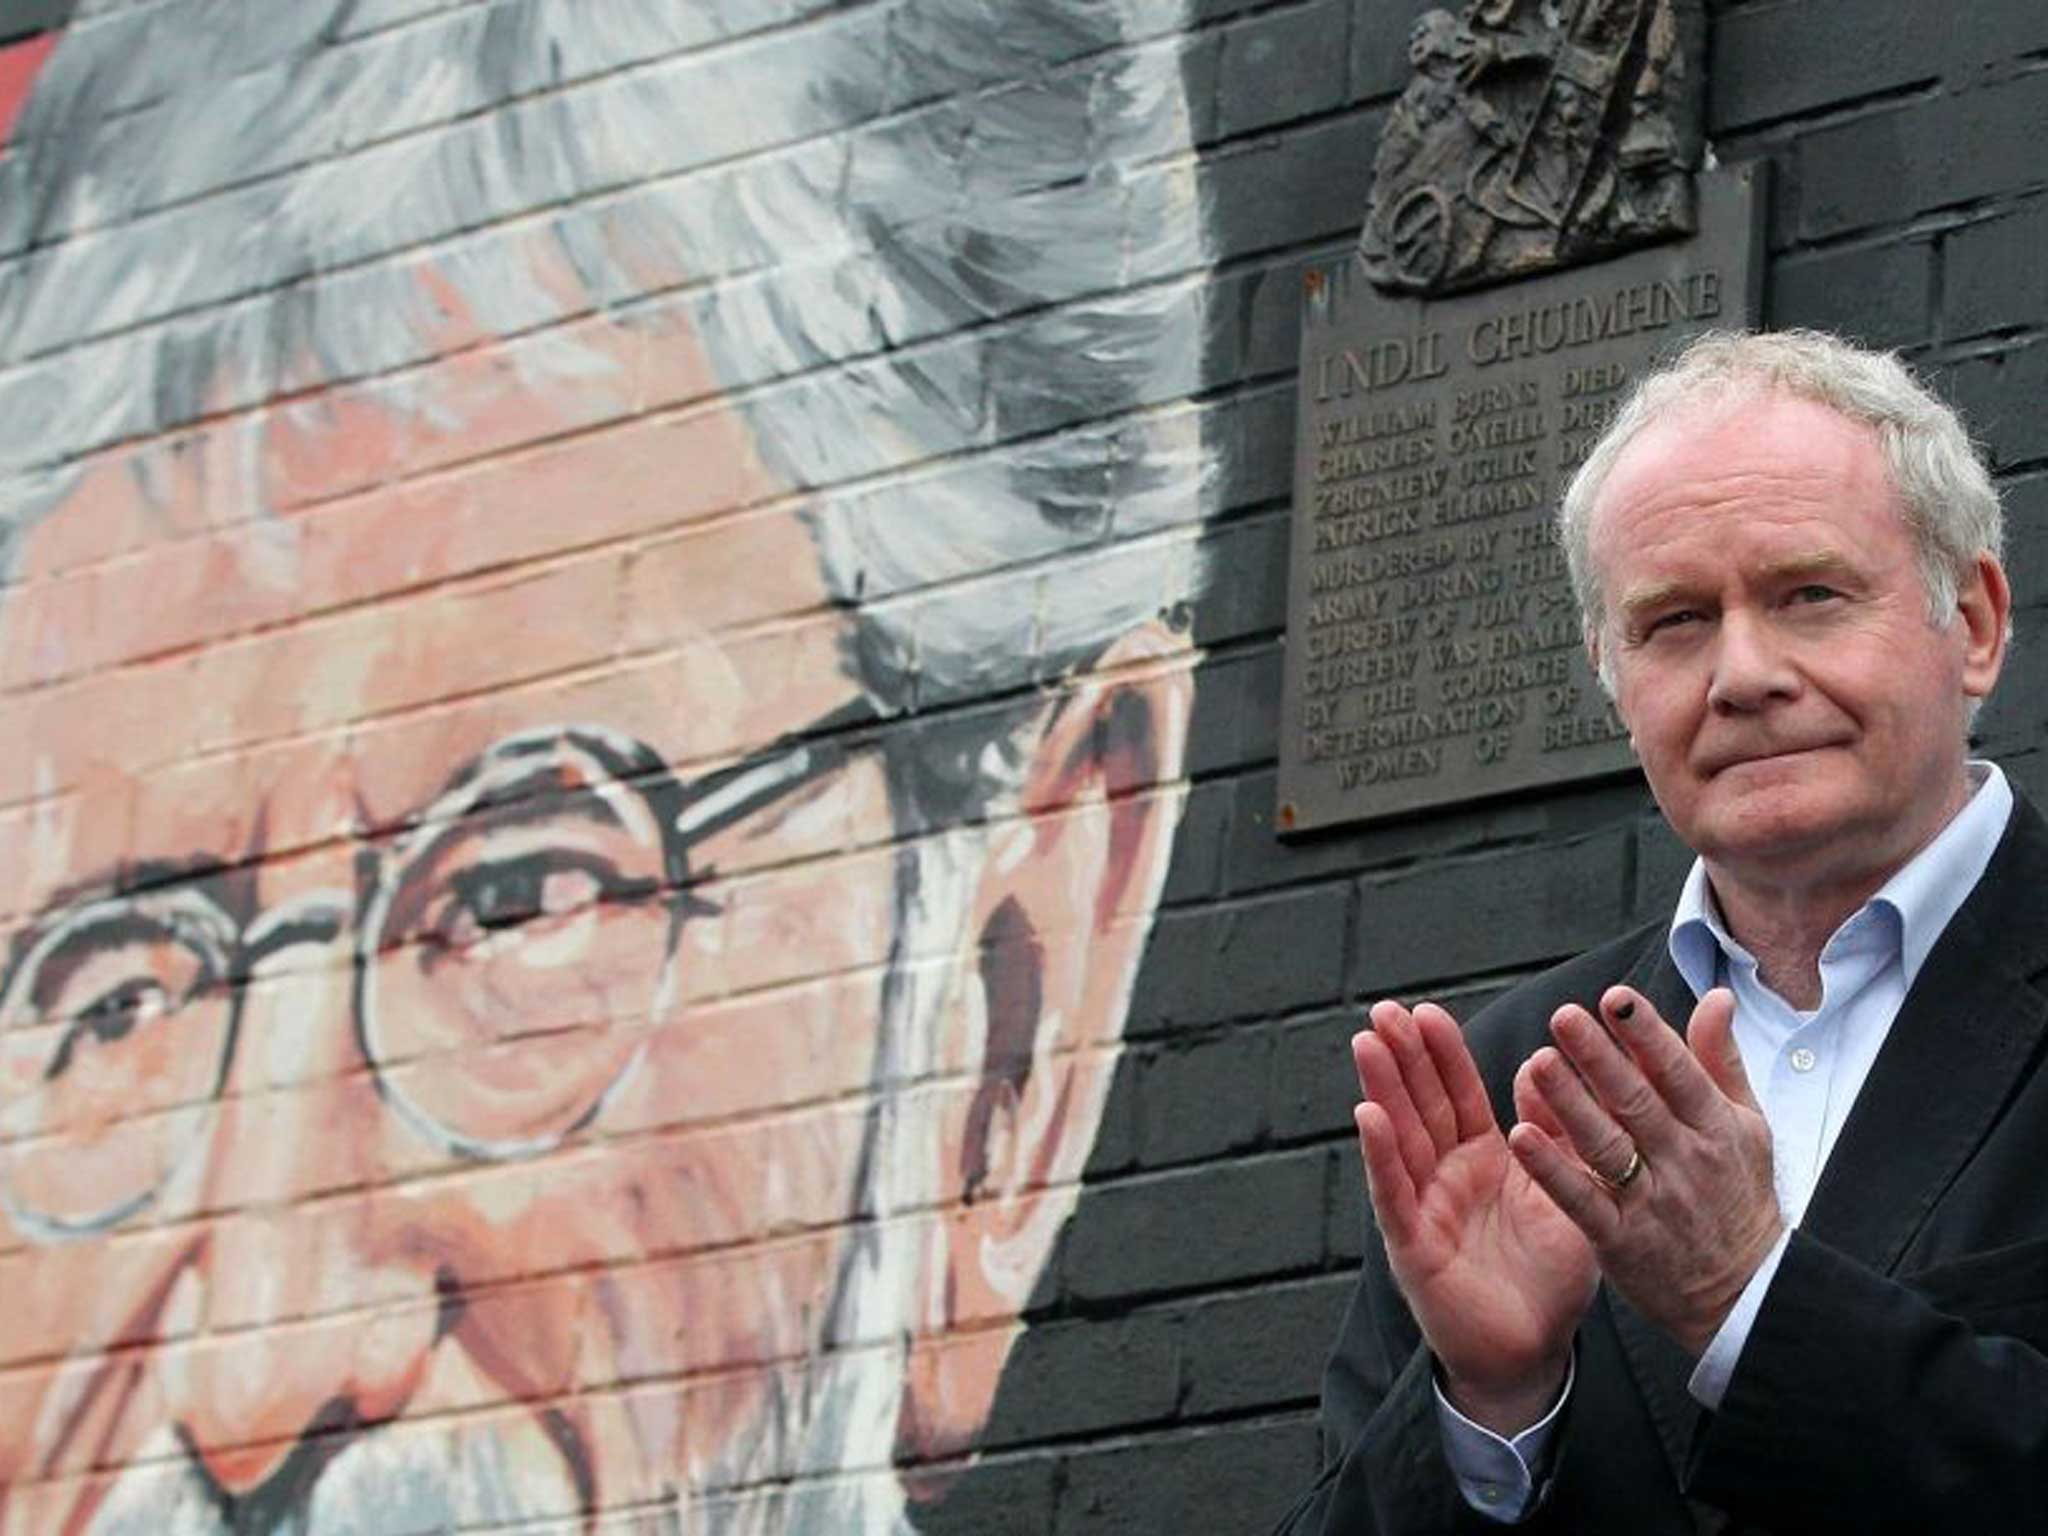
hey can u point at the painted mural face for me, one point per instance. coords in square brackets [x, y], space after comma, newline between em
[383, 1109]
[489, 1033]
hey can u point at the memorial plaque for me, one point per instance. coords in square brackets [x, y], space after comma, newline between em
[1433, 645]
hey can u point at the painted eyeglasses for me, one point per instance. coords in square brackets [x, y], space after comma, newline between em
[507, 956]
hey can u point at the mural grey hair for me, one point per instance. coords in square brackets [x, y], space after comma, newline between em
[1945, 491]
[969, 343]
[952, 337]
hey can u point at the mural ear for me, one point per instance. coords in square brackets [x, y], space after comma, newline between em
[1062, 908]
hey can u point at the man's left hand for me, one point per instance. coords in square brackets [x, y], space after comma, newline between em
[1655, 1148]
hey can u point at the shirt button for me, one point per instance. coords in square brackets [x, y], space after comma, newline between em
[1802, 1059]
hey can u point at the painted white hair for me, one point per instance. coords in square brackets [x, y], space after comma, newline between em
[1945, 492]
[947, 255]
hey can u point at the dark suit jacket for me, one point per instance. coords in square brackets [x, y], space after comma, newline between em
[1897, 1375]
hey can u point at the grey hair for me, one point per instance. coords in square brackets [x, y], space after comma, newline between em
[1945, 492]
[966, 331]
[961, 327]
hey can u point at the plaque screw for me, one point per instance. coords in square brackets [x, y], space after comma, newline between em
[1287, 815]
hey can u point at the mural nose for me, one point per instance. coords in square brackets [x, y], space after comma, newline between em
[252, 1393]
[301, 1321]
[297, 1326]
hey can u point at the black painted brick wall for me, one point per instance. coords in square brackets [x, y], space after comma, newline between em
[1168, 1381]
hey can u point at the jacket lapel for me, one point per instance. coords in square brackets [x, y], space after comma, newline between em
[1965, 1033]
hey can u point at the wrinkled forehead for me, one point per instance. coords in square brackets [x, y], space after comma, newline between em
[1741, 427]
[187, 681]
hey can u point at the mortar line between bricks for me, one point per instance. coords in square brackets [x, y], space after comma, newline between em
[1984, 347]
[1113, 1438]
[1265, 140]
[1786, 129]
[1273, 259]
[625, 546]
[622, 1387]
[1462, 858]
[540, 218]
[1250, 12]
[1215, 403]
[1932, 223]
[1161, 1429]
[1370, 875]
[1223, 1292]
[1194, 278]
[452, 17]
[357, 837]
[613, 1267]
[1486, 981]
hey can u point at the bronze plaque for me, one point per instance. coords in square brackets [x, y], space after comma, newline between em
[1433, 646]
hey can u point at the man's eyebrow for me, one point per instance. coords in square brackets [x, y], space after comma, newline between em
[1651, 594]
[1800, 567]
[1819, 562]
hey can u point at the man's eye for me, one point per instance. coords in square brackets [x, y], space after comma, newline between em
[1814, 592]
[1678, 618]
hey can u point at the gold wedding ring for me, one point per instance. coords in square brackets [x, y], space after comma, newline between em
[1623, 1179]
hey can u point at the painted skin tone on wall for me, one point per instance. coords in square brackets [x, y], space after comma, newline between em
[546, 1215]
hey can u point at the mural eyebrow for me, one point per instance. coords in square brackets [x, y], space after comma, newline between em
[128, 877]
[547, 771]
[114, 930]
[548, 793]
[123, 878]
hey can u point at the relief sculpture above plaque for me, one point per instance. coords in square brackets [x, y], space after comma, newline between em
[1539, 237]
[1535, 134]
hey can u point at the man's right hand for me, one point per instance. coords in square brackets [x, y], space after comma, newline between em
[1495, 1274]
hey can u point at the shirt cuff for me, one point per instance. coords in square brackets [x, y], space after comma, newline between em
[1503, 1479]
[1709, 1381]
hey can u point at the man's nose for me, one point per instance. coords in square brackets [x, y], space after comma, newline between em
[1752, 664]
[304, 1317]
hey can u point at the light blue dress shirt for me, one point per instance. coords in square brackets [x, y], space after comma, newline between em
[1804, 1066]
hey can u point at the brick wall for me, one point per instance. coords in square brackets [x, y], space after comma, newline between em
[1908, 211]
[642, 654]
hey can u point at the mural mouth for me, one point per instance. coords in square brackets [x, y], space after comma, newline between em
[446, 1473]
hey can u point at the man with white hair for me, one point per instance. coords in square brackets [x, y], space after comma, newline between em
[1763, 1247]
[594, 650]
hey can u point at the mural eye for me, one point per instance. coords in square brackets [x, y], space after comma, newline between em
[519, 959]
[110, 1018]
[101, 996]
[495, 896]
[502, 894]
[113, 1035]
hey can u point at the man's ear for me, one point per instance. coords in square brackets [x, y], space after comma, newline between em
[1060, 912]
[1985, 607]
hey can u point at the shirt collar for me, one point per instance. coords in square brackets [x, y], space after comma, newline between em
[1924, 893]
